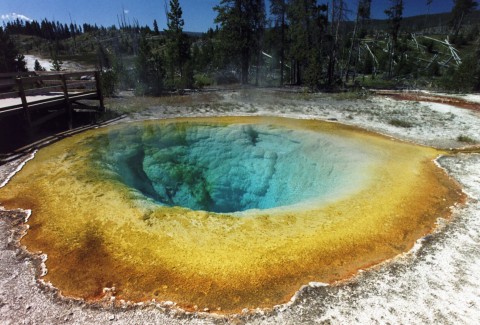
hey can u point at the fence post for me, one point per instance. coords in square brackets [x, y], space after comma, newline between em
[68, 105]
[99, 90]
[26, 110]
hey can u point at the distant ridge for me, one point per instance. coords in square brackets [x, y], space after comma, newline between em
[432, 23]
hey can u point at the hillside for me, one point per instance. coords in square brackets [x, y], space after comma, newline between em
[430, 24]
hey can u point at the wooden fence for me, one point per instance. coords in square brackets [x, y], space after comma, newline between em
[41, 96]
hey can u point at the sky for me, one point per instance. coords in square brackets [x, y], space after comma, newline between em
[198, 14]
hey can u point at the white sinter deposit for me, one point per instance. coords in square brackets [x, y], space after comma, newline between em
[44, 63]
[48, 64]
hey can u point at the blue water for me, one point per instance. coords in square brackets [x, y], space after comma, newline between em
[228, 168]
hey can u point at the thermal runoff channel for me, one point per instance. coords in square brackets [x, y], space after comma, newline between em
[224, 213]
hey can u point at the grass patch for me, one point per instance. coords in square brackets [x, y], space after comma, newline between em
[351, 95]
[400, 123]
[377, 83]
[466, 139]
[202, 80]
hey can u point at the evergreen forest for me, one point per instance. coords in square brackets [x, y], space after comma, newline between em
[320, 45]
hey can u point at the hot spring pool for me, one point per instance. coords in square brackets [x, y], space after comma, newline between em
[231, 168]
[224, 213]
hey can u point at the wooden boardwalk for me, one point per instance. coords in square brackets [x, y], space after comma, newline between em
[42, 96]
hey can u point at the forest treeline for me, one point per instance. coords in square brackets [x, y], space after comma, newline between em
[318, 44]
[49, 30]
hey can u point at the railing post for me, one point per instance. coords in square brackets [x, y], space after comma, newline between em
[26, 111]
[99, 90]
[68, 105]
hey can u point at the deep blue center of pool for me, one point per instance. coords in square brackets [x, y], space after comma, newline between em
[226, 168]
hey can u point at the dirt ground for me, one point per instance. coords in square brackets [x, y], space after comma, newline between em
[436, 282]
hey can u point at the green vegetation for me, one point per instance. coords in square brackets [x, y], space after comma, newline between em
[38, 67]
[150, 70]
[10, 59]
[304, 42]
[400, 123]
[202, 80]
[179, 72]
[466, 139]
[243, 25]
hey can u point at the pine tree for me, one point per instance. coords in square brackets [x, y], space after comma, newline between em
[38, 66]
[461, 9]
[10, 60]
[149, 67]
[178, 47]
[338, 16]
[21, 65]
[307, 35]
[363, 14]
[242, 24]
[395, 14]
[278, 9]
[155, 27]
[56, 62]
[109, 69]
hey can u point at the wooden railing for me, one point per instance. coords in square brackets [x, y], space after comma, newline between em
[7, 80]
[60, 89]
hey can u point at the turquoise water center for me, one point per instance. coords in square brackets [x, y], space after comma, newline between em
[230, 168]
